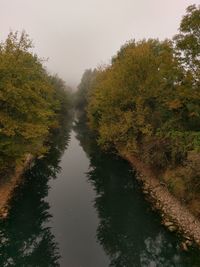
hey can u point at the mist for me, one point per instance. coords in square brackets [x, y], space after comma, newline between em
[77, 35]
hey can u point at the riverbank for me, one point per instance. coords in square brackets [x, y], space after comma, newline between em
[8, 186]
[176, 217]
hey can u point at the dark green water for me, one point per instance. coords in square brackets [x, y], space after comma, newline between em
[79, 207]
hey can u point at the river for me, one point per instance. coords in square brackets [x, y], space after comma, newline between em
[80, 207]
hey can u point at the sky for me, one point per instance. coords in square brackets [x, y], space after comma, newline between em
[75, 35]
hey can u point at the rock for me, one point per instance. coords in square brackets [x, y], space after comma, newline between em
[172, 228]
[183, 246]
[168, 223]
[5, 214]
[188, 243]
[163, 184]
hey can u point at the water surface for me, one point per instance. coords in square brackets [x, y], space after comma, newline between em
[80, 207]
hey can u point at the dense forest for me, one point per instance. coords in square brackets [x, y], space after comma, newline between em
[32, 102]
[146, 103]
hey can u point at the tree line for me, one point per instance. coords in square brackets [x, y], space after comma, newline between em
[146, 102]
[31, 102]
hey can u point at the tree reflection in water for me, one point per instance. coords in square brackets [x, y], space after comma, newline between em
[130, 233]
[25, 238]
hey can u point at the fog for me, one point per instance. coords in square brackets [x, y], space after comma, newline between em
[75, 35]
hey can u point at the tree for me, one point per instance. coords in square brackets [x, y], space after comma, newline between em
[28, 101]
[84, 88]
[146, 104]
[135, 96]
[188, 41]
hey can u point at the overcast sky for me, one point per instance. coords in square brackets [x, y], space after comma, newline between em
[80, 34]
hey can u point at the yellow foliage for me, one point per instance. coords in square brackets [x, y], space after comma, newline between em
[175, 104]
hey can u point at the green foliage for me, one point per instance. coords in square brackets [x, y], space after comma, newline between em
[28, 100]
[188, 42]
[147, 102]
[62, 95]
[81, 97]
[132, 99]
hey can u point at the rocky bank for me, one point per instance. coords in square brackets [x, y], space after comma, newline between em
[175, 216]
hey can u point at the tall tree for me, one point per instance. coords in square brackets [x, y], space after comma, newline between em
[188, 41]
[28, 100]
